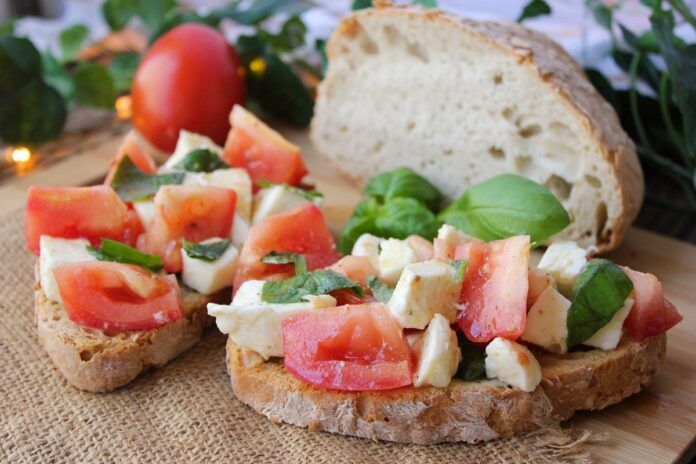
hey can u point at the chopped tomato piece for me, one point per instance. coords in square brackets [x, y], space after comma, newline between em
[538, 282]
[302, 230]
[118, 297]
[130, 147]
[354, 348]
[423, 248]
[652, 313]
[133, 228]
[187, 212]
[73, 212]
[263, 152]
[442, 249]
[494, 293]
[357, 269]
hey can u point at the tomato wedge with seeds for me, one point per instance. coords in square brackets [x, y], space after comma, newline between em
[131, 148]
[353, 348]
[73, 212]
[302, 230]
[187, 212]
[118, 297]
[263, 152]
[494, 293]
[652, 313]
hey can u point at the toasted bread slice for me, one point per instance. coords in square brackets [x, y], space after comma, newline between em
[463, 411]
[99, 361]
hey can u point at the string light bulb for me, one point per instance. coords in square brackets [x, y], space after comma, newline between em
[124, 108]
[258, 66]
[20, 155]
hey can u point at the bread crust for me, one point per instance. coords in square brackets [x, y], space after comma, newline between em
[96, 361]
[462, 412]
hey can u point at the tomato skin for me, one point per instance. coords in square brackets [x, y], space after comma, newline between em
[357, 269]
[494, 293]
[95, 295]
[354, 348]
[302, 230]
[73, 212]
[263, 152]
[652, 314]
[186, 212]
[130, 147]
[190, 78]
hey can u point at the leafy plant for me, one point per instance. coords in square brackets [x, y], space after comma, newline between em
[206, 251]
[201, 160]
[132, 184]
[111, 250]
[380, 291]
[295, 259]
[318, 282]
[533, 9]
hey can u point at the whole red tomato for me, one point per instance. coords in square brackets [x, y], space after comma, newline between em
[189, 79]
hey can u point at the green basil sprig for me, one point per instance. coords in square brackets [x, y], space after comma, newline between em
[473, 363]
[206, 251]
[505, 206]
[380, 291]
[310, 195]
[318, 282]
[132, 184]
[599, 292]
[111, 250]
[295, 259]
[201, 160]
[404, 182]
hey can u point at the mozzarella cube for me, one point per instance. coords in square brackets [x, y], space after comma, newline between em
[274, 200]
[439, 354]
[145, 210]
[249, 293]
[207, 277]
[513, 364]
[56, 252]
[453, 236]
[258, 326]
[394, 256]
[547, 322]
[236, 179]
[186, 143]
[240, 231]
[425, 289]
[607, 338]
[367, 245]
[564, 261]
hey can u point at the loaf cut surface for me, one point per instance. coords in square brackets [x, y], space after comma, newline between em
[461, 101]
[463, 411]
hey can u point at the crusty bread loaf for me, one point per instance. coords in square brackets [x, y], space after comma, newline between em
[461, 101]
[464, 411]
[97, 361]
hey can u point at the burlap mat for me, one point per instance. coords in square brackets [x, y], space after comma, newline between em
[184, 412]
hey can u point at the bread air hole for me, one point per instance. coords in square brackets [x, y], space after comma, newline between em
[593, 181]
[393, 36]
[498, 79]
[495, 152]
[559, 187]
[529, 131]
[368, 45]
[561, 130]
[85, 355]
[524, 165]
[417, 51]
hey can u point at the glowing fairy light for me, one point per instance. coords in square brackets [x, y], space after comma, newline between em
[123, 107]
[257, 66]
[20, 155]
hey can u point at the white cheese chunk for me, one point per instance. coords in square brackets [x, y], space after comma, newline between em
[249, 293]
[607, 338]
[547, 321]
[56, 252]
[564, 261]
[258, 326]
[367, 245]
[275, 200]
[146, 212]
[394, 256]
[513, 364]
[453, 236]
[236, 179]
[425, 289]
[187, 142]
[240, 231]
[439, 354]
[207, 277]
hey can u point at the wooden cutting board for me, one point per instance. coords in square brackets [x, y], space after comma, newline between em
[657, 425]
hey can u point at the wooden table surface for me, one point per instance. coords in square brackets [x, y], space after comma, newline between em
[657, 425]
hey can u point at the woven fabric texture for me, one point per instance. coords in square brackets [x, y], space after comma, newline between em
[184, 412]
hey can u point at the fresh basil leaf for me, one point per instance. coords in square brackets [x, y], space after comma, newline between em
[175, 18]
[206, 251]
[117, 13]
[309, 195]
[56, 76]
[295, 259]
[401, 217]
[603, 14]
[291, 35]
[602, 85]
[647, 71]
[94, 85]
[111, 250]
[360, 4]
[318, 282]
[380, 291]
[8, 27]
[33, 113]
[201, 160]
[533, 9]
[599, 292]
[72, 40]
[362, 221]
[261, 10]
[20, 63]
[132, 184]
[426, 3]
[404, 182]
[152, 12]
[460, 266]
[122, 69]
[473, 363]
[505, 206]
